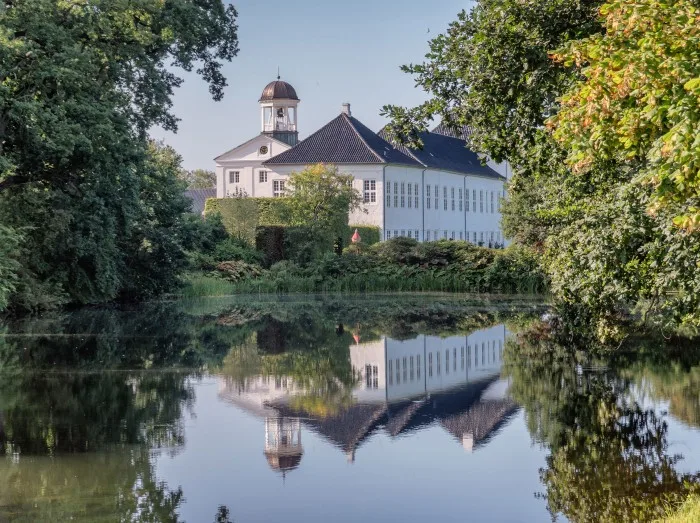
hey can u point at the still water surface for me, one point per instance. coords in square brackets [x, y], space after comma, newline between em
[315, 409]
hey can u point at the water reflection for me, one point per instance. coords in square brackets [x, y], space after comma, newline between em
[144, 414]
[399, 386]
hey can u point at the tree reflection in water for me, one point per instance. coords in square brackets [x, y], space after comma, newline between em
[609, 455]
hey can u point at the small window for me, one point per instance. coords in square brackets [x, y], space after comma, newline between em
[491, 202]
[410, 234]
[403, 232]
[453, 235]
[370, 191]
[427, 236]
[461, 237]
[466, 201]
[396, 233]
[278, 188]
[388, 234]
[262, 176]
[234, 177]
[481, 201]
[416, 236]
[437, 193]
[388, 194]
[444, 234]
[474, 197]
[474, 237]
[498, 201]
[403, 201]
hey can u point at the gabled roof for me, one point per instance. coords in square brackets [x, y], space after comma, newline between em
[344, 140]
[256, 137]
[448, 153]
[198, 197]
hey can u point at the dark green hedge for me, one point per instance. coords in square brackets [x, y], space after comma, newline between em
[301, 245]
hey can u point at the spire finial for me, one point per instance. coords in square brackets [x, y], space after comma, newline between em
[278, 72]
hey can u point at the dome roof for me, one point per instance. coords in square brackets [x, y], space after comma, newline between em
[278, 90]
[283, 463]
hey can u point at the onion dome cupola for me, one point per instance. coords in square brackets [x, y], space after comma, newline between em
[278, 110]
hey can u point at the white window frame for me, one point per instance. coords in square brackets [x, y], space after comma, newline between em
[262, 176]
[234, 177]
[278, 188]
[369, 191]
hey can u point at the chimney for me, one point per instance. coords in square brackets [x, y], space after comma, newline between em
[346, 109]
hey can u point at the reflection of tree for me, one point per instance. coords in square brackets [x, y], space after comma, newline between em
[61, 412]
[117, 485]
[675, 383]
[609, 456]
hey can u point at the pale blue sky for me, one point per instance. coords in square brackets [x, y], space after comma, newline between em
[331, 52]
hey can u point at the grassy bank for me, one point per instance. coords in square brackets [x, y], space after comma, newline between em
[400, 265]
[689, 512]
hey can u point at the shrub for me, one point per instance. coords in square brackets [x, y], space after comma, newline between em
[237, 271]
[237, 249]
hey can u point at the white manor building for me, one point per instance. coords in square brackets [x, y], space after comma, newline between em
[440, 191]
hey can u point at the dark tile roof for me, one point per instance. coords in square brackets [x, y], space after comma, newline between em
[463, 132]
[198, 197]
[447, 153]
[344, 140]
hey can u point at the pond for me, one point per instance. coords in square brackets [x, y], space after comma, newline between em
[335, 409]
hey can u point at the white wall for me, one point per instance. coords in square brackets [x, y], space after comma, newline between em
[435, 220]
[247, 160]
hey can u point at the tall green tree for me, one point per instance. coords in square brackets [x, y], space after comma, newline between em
[81, 84]
[580, 199]
[320, 197]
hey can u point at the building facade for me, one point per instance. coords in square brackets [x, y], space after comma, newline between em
[441, 191]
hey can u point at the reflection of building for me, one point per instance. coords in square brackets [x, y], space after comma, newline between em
[405, 385]
[283, 448]
[400, 369]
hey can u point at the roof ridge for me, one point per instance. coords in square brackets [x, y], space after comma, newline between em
[352, 126]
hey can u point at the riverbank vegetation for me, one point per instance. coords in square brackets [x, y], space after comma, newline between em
[400, 264]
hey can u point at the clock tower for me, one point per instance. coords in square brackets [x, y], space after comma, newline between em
[278, 112]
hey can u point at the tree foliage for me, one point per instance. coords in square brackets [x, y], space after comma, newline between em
[199, 178]
[81, 84]
[321, 198]
[621, 97]
[639, 101]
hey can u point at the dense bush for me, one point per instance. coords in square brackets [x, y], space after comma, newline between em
[238, 271]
